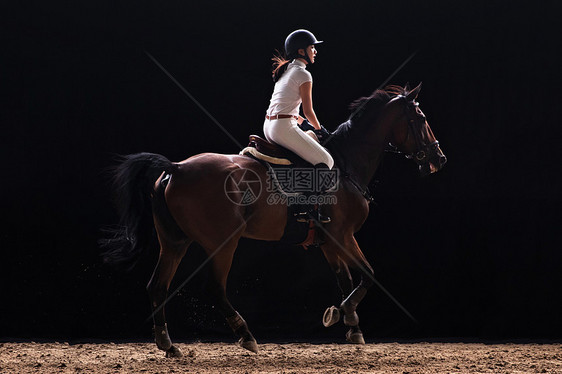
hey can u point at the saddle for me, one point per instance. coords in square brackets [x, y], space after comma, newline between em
[271, 152]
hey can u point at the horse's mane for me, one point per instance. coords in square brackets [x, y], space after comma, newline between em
[372, 104]
[378, 98]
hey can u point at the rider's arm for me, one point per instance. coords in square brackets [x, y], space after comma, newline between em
[306, 96]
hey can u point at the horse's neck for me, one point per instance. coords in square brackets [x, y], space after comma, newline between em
[363, 160]
[363, 152]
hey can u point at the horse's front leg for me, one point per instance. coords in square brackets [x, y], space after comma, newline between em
[356, 259]
[351, 297]
[344, 281]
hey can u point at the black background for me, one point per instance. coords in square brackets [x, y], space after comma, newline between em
[473, 251]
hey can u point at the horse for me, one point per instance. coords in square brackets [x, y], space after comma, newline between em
[185, 202]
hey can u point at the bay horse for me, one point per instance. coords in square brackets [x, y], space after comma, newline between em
[186, 202]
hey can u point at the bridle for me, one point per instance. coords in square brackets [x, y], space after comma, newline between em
[423, 150]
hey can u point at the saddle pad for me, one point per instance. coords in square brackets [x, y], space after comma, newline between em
[257, 154]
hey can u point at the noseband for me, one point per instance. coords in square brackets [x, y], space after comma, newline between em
[422, 152]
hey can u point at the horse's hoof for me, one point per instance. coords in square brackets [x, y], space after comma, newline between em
[331, 316]
[174, 352]
[162, 338]
[250, 345]
[354, 337]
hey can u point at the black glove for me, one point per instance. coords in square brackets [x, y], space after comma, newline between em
[322, 134]
[305, 126]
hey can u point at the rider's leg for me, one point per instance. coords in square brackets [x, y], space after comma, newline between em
[286, 133]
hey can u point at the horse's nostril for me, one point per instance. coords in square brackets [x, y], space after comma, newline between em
[442, 160]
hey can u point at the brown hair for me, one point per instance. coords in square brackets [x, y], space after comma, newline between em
[280, 64]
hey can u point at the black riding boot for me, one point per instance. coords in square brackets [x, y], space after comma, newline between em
[321, 191]
[306, 214]
[322, 218]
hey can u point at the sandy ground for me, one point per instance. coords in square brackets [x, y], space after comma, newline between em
[282, 358]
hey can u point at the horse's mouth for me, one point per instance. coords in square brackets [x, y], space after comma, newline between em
[433, 165]
[433, 168]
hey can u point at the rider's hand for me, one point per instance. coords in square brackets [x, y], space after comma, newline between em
[305, 126]
[322, 134]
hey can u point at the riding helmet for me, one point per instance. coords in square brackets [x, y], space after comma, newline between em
[299, 39]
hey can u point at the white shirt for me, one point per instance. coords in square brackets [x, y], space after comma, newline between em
[286, 98]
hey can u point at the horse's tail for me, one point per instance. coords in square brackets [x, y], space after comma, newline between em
[133, 183]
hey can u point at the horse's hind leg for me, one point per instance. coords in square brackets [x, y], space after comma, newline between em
[173, 245]
[168, 261]
[216, 288]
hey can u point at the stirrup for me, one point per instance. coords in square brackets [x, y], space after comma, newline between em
[323, 219]
[302, 217]
[305, 217]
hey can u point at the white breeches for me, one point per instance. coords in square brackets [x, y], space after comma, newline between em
[286, 133]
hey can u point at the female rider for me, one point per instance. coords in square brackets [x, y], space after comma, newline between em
[293, 86]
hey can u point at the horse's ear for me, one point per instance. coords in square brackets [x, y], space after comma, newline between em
[407, 87]
[412, 95]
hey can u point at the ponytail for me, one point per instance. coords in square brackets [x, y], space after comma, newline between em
[280, 64]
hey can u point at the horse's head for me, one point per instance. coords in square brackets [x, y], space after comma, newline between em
[412, 135]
